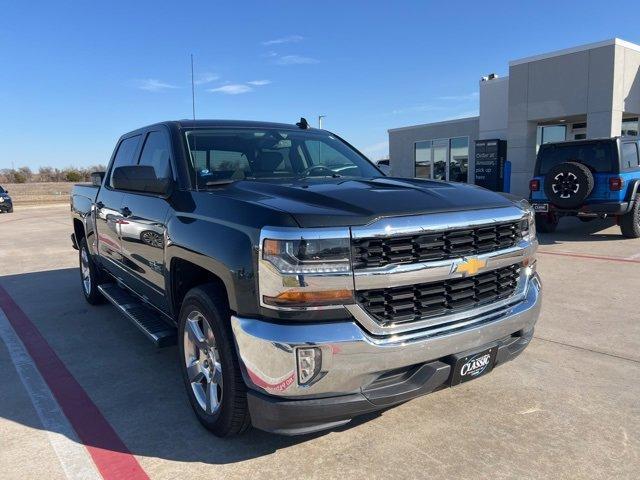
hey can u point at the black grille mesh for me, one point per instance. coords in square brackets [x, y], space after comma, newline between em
[378, 252]
[414, 302]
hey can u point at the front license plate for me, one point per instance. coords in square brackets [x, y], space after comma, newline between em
[540, 207]
[474, 365]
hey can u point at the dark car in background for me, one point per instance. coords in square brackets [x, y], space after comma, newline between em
[6, 204]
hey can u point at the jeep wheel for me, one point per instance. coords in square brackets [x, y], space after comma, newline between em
[546, 223]
[630, 222]
[209, 365]
[568, 184]
[90, 276]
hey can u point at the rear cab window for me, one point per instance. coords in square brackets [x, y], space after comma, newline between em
[155, 153]
[600, 157]
[125, 156]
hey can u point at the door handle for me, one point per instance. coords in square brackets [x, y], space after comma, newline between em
[125, 212]
[99, 205]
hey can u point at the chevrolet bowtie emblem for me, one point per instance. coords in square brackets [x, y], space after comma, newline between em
[469, 266]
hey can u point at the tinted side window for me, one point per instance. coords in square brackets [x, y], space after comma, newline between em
[124, 156]
[629, 155]
[155, 153]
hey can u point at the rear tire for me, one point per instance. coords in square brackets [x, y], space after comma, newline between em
[90, 275]
[630, 222]
[209, 365]
[546, 223]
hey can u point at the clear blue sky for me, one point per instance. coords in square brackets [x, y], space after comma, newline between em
[76, 75]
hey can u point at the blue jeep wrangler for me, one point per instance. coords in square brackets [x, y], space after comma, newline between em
[588, 179]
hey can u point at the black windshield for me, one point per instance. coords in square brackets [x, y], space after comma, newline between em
[227, 154]
[600, 156]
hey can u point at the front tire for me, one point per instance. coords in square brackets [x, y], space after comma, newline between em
[90, 276]
[209, 365]
[630, 222]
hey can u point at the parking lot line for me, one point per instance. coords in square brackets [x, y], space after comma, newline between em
[108, 451]
[592, 257]
[72, 455]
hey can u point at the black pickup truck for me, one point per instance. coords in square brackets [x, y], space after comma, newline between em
[302, 286]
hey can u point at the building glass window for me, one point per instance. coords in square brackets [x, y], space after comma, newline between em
[423, 159]
[630, 127]
[443, 159]
[459, 159]
[440, 154]
[553, 133]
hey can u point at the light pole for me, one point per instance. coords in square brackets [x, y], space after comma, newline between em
[320, 117]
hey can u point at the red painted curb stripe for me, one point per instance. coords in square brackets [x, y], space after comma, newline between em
[111, 456]
[592, 257]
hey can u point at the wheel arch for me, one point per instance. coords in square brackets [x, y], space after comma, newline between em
[78, 230]
[634, 186]
[185, 275]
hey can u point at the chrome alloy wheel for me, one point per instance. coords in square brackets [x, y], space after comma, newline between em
[86, 271]
[202, 361]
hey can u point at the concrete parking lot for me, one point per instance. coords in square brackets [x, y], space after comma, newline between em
[568, 407]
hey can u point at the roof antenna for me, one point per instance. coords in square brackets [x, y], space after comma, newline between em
[303, 123]
[193, 93]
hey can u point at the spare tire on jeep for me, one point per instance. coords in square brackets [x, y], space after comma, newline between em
[568, 184]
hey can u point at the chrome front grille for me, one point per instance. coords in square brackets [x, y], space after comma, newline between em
[370, 252]
[424, 300]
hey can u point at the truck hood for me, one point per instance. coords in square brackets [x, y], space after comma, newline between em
[344, 202]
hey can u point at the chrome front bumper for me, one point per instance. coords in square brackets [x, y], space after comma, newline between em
[352, 359]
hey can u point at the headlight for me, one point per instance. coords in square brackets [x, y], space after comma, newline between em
[301, 269]
[1, 199]
[528, 226]
[308, 256]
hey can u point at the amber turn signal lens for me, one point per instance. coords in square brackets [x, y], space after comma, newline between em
[294, 298]
[271, 247]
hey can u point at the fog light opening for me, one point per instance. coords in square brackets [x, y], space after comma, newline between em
[309, 364]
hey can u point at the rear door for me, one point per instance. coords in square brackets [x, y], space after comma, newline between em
[108, 203]
[142, 229]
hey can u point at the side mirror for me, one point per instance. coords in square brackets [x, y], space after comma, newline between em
[97, 178]
[139, 178]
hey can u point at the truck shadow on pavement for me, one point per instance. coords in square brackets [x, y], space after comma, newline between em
[573, 230]
[137, 388]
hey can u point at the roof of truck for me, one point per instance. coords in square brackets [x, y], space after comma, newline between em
[186, 123]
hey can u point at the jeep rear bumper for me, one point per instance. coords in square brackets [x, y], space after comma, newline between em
[605, 208]
[361, 373]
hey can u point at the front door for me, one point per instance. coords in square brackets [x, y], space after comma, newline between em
[142, 230]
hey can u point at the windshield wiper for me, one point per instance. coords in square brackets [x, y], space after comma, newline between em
[220, 183]
[333, 175]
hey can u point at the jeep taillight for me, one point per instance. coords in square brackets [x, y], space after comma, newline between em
[616, 184]
[534, 185]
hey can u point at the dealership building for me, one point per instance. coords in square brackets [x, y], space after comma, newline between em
[590, 91]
